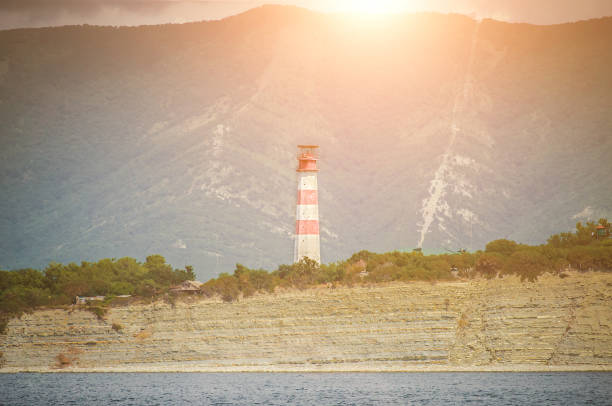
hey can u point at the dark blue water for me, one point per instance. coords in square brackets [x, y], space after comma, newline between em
[307, 389]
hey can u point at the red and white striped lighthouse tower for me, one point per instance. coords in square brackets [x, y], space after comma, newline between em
[307, 243]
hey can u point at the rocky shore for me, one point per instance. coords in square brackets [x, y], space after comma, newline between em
[554, 324]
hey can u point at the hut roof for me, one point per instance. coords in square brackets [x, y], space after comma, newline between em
[187, 286]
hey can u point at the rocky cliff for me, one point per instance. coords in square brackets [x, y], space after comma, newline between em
[553, 324]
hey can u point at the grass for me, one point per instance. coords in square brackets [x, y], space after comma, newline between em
[99, 311]
[463, 322]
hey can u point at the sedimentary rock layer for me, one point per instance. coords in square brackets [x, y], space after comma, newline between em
[502, 324]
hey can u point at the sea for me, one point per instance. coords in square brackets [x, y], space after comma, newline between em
[559, 388]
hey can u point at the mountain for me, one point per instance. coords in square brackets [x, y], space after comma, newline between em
[435, 130]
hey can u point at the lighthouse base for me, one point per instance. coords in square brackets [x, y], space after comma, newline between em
[307, 245]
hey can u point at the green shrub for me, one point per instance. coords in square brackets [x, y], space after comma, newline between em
[99, 311]
[27, 289]
[226, 286]
[4, 320]
[528, 264]
[229, 292]
[147, 288]
[122, 288]
[489, 264]
[384, 273]
[331, 273]
[502, 247]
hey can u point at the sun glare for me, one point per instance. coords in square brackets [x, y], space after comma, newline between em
[372, 6]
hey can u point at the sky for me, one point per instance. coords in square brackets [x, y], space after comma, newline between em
[41, 13]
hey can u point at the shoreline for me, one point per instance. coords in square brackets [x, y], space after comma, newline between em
[310, 369]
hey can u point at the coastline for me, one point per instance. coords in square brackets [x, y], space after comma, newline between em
[164, 368]
[552, 325]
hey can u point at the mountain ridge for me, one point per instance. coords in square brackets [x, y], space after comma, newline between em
[180, 139]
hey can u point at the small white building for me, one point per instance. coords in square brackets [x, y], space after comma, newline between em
[87, 299]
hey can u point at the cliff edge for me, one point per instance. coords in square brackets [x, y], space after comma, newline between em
[489, 325]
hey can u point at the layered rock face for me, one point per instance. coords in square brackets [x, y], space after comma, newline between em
[553, 324]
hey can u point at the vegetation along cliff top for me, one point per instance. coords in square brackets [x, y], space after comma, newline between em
[589, 248]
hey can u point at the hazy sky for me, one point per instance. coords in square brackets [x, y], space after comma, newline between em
[38, 13]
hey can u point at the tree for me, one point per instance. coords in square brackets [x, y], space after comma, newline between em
[584, 234]
[158, 270]
[304, 272]
[502, 246]
[227, 287]
[489, 264]
[190, 273]
[528, 264]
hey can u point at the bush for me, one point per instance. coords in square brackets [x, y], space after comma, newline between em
[593, 257]
[4, 320]
[502, 247]
[147, 288]
[122, 288]
[99, 311]
[225, 286]
[331, 273]
[489, 264]
[528, 264]
[385, 273]
[27, 289]
[229, 292]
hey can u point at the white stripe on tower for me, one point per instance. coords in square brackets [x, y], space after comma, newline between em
[307, 242]
[307, 212]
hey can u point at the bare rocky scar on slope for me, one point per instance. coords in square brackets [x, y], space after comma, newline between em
[552, 324]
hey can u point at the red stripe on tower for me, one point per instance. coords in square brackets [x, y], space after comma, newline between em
[307, 227]
[308, 197]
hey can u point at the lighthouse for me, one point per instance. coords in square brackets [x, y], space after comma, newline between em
[307, 243]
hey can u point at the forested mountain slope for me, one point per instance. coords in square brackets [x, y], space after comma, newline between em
[435, 130]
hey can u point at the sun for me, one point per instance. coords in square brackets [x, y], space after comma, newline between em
[372, 6]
